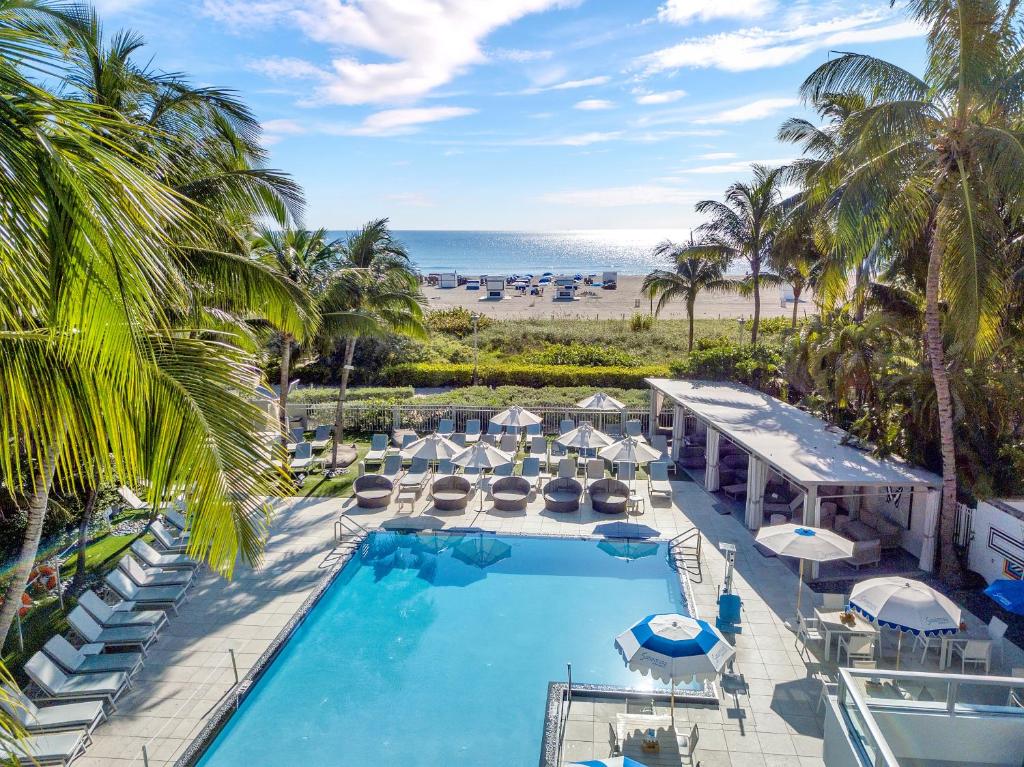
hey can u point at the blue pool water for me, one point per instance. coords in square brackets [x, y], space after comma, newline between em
[437, 650]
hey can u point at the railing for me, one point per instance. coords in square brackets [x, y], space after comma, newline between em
[963, 526]
[347, 529]
[684, 551]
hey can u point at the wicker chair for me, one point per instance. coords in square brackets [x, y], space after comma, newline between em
[609, 496]
[510, 493]
[450, 493]
[562, 495]
[373, 491]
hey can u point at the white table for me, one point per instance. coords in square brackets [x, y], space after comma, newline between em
[832, 626]
[947, 642]
[636, 503]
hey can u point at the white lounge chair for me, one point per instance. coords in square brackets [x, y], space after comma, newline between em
[594, 471]
[56, 685]
[176, 544]
[74, 661]
[321, 437]
[121, 636]
[378, 449]
[121, 614]
[176, 519]
[295, 436]
[539, 450]
[54, 748]
[417, 476]
[56, 718]
[392, 468]
[531, 471]
[303, 460]
[472, 431]
[153, 576]
[567, 468]
[658, 478]
[170, 597]
[133, 502]
[153, 558]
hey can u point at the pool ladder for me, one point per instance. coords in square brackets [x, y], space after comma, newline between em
[684, 553]
[348, 532]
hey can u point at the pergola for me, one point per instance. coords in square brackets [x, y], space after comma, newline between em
[798, 446]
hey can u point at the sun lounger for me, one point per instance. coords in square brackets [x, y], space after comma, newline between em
[531, 471]
[567, 468]
[446, 426]
[133, 502]
[175, 544]
[74, 661]
[472, 431]
[658, 476]
[321, 437]
[565, 425]
[62, 716]
[509, 444]
[505, 470]
[176, 519]
[490, 439]
[153, 558]
[56, 685]
[660, 442]
[303, 460]
[378, 449]
[634, 428]
[594, 471]
[120, 636]
[170, 597]
[295, 437]
[392, 468]
[121, 614]
[417, 475]
[539, 450]
[535, 430]
[153, 576]
[54, 748]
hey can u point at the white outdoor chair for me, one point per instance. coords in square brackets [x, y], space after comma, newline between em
[833, 601]
[927, 643]
[688, 743]
[975, 651]
[996, 632]
[828, 690]
[857, 648]
[808, 630]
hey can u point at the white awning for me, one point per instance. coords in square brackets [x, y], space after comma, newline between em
[796, 444]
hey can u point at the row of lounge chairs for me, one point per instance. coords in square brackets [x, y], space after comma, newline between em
[83, 683]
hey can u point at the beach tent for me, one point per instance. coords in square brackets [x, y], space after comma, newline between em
[565, 289]
[449, 280]
[495, 288]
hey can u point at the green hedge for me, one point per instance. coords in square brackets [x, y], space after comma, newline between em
[729, 362]
[435, 374]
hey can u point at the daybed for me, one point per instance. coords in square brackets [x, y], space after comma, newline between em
[510, 493]
[450, 493]
[609, 496]
[562, 495]
[373, 491]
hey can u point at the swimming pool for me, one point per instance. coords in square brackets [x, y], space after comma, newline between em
[434, 650]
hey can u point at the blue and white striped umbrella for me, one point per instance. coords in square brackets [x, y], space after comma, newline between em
[675, 648]
[615, 761]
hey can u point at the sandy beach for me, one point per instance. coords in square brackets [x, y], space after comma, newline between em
[609, 304]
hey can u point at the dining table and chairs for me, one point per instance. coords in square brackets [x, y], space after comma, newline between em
[843, 624]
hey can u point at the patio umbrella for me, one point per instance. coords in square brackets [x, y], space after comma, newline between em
[815, 544]
[905, 605]
[482, 551]
[615, 761]
[600, 401]
[628, 549]
[481, 456]
[1007, 594]
[630, 450]
[584, 437]
[433, 447]
[673, 648]
[516, 416]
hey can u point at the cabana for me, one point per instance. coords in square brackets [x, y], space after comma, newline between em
[495, 289]
[809, 454]
[565, 289]
[448, 280]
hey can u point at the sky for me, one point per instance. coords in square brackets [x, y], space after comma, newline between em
[533, 115]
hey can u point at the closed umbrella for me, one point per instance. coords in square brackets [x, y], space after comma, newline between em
[584, 437]
[516, 416]
[600, 401]
[904, 604]
[815, 544]
[674, 648]
[481, 456]
[1007, 594]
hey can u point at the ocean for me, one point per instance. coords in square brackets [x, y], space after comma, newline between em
[626, 251]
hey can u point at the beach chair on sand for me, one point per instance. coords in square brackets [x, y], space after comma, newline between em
[60, 717]
[446, 427]
[56, 685]
[121, 614]
[472, 431]
[378, 449]
[658, 476]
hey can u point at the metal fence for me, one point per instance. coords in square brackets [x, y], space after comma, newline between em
[369, 418]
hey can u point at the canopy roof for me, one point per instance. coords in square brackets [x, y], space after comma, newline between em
[797, 444]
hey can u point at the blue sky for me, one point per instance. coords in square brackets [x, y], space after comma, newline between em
[514, 114]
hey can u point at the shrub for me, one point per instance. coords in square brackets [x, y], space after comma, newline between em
[713, 342]
[731, 362]
[775, 326]
[503, 396]
[584, 355]
[639, 323]
[456, 321]
[317, 394]
[513, 374]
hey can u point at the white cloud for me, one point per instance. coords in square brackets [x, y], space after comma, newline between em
[579, 139]
[664, 97]
[739, 166]
[412, 47]
[279, 127]
[115, 6]
[567, 85]
[755, 110]
[685, 11]
[286, 68]
[591, 105]
[520, 56]
[757, 48]
[623, 196]
[392, 122]
[716, 156]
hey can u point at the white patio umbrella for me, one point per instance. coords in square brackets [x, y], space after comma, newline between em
[600, 401]
[815, 544]
[674, 648]
[516, 416]
[583, 437]
[630, 450]
[433, 447]
[482, 455]
[905, 605]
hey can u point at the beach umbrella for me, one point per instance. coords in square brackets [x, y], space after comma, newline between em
[600, 401]
[814, 544]
[904, 604]
[1007, 594]
[433, 447]
[584, 437]
[630, 450]
[516, 416]
[628, 549]
[481, 456]
[614, 761]
[674, 648]
[482, 551]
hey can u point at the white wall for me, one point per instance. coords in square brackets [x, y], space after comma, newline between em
[979, 740]
[992, 553]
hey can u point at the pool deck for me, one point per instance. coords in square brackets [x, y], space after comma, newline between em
[768, 717]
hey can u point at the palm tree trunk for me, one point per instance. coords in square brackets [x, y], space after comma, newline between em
[756, 282]
[796, 303]
[37, 504]
[689, 316]
[83, 536]
[286, 359]
[949, 569]
[339, 415]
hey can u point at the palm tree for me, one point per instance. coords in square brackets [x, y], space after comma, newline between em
[744, 226]
[693, 271]
[941, 159]
[375, 292]
[308, 259]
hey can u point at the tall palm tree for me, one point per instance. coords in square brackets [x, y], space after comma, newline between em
[309, 260]
[693, 271]
[375, 292]
[941, 156]
[744, 226]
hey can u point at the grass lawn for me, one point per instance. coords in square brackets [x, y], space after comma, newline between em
[318, 486]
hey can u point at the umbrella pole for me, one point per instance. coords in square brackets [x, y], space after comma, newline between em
[899, 646]
[799, 586]
[672, 700]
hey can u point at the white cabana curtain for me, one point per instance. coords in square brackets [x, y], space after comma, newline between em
[757, 478]
[657, 399]
[678, 431]
[711, 475]
[932, 506]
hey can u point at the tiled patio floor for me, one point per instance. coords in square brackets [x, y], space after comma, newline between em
[767, 718]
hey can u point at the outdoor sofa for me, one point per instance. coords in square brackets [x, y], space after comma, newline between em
[510, 493]
[609, 496]
[562, 495]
